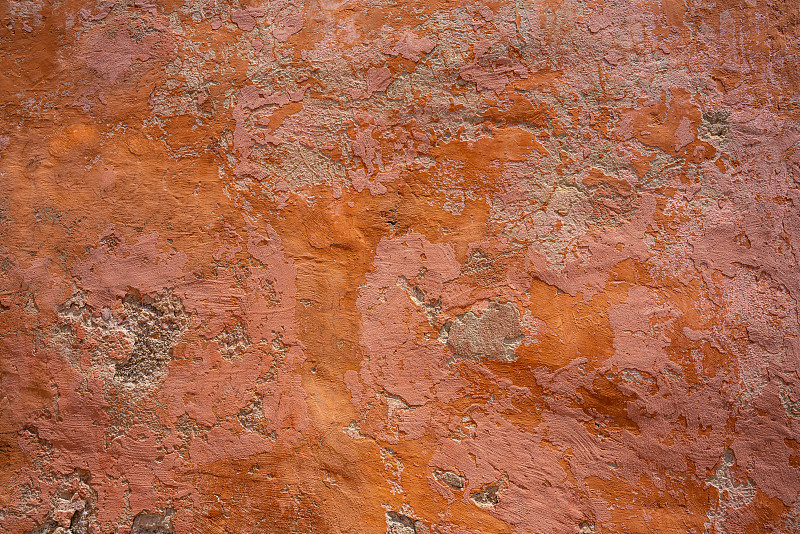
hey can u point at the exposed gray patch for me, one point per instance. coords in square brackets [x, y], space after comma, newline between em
[791, 407]
[792, 521]
[401, 524]
[187, 427]
[233, 341]
[487, 497]
[715, 124]
[79, 524]
[72, 507]
[454, 480]
[156, 324]
[135, 342]
[145, 523]
[731, 495]
[252, 419]
[48, 527]
[494, 334]
[466, 430]
[353, 430]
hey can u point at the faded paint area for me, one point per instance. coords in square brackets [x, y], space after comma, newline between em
[421, 267]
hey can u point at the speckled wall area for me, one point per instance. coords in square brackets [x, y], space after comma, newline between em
[401, 267]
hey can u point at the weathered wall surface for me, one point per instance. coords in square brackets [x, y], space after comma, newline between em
[405, 267]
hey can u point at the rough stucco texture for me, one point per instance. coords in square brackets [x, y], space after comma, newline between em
[427, 266]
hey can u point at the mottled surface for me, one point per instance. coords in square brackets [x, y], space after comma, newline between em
[399, 267]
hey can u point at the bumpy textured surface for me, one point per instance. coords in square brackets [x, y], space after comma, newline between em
[425, 266]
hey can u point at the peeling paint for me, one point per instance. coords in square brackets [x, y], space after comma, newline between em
[440, 267]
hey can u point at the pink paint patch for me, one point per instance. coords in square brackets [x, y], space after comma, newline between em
[378, 79]
[684, 134]
[411, 47]
[288, 27]
[243, 19]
